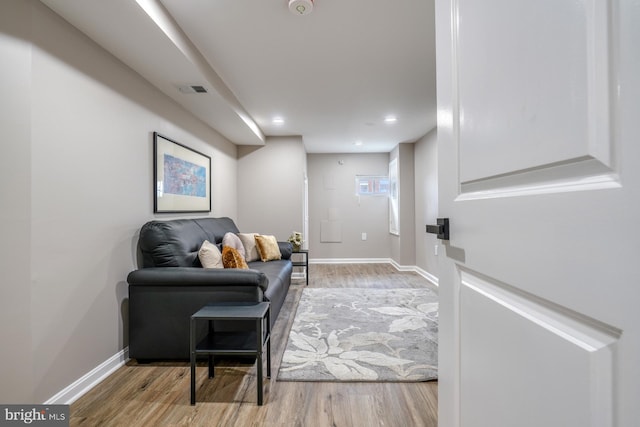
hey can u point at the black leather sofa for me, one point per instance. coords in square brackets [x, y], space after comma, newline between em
[172, 285]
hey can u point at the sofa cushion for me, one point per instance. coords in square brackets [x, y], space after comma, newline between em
[250, 250]
[175, 243]
[231, 258]
[210, 256]
[278, 273]
[233, 241]
[268, 248]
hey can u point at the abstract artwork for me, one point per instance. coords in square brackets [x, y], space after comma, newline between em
[182, 177]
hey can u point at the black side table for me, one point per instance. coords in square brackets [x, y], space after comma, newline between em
[235, 343]
[303, 263]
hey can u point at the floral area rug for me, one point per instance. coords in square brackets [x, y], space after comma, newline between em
[349, 334]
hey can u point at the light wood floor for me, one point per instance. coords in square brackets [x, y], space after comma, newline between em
[157, 394]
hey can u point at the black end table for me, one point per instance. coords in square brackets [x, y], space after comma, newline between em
[235, 343]
[304, 262]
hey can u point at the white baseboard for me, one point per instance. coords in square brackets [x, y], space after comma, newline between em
[81, 386]
[402, 267]
[350, 261]
[430, 277]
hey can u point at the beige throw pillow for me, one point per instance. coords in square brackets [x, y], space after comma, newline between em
[268, 248]
[250, 250]
[210, 256]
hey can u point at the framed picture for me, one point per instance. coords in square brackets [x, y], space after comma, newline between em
[181, 177]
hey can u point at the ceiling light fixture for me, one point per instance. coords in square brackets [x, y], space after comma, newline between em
[390, 119]
[301, 7]
[277, 121]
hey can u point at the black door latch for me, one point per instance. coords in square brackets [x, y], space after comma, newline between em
[441, 229]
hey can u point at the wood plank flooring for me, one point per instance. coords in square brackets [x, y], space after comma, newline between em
[157, 394]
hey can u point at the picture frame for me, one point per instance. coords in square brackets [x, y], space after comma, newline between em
[181, 177]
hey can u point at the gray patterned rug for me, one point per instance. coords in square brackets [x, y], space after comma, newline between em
[356, 334]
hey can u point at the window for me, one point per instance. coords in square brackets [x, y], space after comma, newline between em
[368, 185]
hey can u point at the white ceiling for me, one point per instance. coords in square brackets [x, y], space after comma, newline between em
[332, 75]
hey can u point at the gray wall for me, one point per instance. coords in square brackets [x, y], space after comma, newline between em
[418, 205]
[271, 187]
[16, 356]
[403, 245]
[75, 177]
[332, 197]
[426, 201]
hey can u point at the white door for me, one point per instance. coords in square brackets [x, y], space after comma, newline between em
[539, 173]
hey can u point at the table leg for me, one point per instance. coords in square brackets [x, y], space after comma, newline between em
[259, 358]
[210, 359]
[269, 343]
[192, 348]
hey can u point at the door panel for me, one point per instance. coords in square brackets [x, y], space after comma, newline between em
[535, 345]
[539, 173]
[554, 94]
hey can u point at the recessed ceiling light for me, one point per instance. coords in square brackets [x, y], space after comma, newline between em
[277, 121]
[390, 119]
[358, 143]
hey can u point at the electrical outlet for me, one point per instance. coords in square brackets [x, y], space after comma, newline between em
[364, 236]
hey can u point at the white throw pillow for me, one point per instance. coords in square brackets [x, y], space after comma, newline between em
[250, 250]
[233, 241]
[210, 256]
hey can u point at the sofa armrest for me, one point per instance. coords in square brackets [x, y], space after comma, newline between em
[194, 276]
[285, 249]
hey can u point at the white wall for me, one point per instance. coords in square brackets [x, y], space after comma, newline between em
[76, 182]
[332, 197]
[426, 201]
[271, 187]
